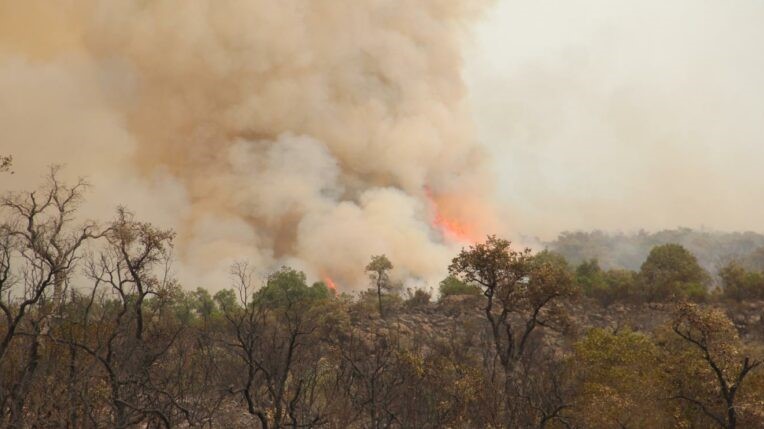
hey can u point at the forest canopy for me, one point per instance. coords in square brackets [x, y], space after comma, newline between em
[97, 332]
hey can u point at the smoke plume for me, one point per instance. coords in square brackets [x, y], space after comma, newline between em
[308, 133]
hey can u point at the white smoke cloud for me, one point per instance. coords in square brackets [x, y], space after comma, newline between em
[300, 132]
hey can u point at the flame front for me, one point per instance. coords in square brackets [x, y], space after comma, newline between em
[330, 283]
[452, 228]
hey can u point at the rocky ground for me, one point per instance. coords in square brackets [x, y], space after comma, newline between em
[453, 315]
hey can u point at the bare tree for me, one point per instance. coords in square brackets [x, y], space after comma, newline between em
[132, 266]
[272, 335]
[369, 376]
[39, 248]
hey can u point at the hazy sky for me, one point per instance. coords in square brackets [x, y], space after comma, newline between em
[622, 114]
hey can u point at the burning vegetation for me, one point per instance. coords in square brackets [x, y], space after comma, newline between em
[452, 228]
[308, 149]
[302, 175]
[98, 333]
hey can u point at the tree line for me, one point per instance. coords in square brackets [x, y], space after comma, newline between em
[713, 249]
[96, 332]
[669, 273]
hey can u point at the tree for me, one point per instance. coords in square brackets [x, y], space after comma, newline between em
[39, 248]
[204, 305]
[670, 271]
[378, 274]
[620, 286]
[96, 332]
[453, 286]
[417, 298]
[137, 248]
[712, 356]
[275, 334]
[288, 287]
[739, 284]
[369, 374]
[620, 381]
[522, 295]
[226, 300]
[754, 261]
[133, 265]
[590, 277]
[605, 286]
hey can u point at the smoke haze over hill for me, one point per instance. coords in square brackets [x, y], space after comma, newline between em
[622, 115]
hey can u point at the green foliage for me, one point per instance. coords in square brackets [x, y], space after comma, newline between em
[550, 257]
[204, 305]
[739, 284]
[606, 354]
[183, 307]
[620, 377]
[417, 298]
[187, 307]
[491, 264]
[707, 367]
[628, 251]
[453, 286]
[671, 272]
[226, 299]
[517, 287]
[368, 302]
[590, 277]
[378, 269]
[549, 277]
[607, 287]
[379, 263]
[128, 346]
[621, 286]
[287, 287]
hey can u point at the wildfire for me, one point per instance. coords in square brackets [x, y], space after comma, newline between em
[330, 283]
[451, 227]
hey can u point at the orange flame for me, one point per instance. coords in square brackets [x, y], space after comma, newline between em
[450, 227]
[330, 283]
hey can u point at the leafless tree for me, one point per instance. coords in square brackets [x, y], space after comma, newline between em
[369, 376]
[272, 335]
[131, 266]
[39, 247]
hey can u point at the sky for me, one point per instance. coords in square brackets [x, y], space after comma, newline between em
[622, 115]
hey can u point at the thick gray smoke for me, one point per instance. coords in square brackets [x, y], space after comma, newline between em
[301, 132]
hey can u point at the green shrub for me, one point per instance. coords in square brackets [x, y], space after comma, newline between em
[453, 286]
[417, 298]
